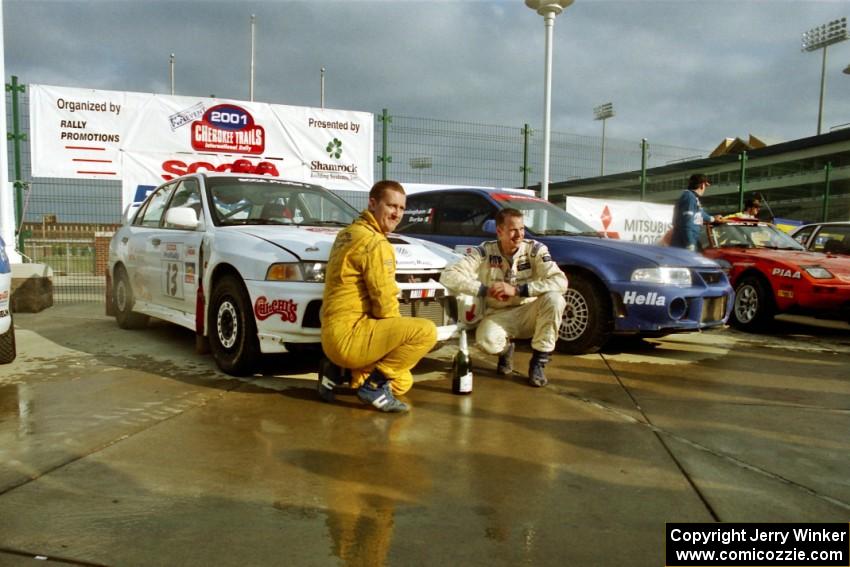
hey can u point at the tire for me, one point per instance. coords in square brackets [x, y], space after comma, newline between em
[123, 301]
[232, 328]
[753, 308]
[7, 345]
[586, 325]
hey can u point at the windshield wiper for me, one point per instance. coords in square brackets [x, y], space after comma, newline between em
[252, 221]
[329, 223]
[562, 232]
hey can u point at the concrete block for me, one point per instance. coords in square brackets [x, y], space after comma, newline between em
[32, 288]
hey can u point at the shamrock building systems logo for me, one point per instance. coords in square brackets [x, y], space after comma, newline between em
[334, 148]
[335, 170]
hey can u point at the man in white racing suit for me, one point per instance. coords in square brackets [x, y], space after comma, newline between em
[523, 291]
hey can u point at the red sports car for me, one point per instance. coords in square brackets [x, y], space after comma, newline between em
[772, 273]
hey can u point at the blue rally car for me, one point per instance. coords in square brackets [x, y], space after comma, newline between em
[615, 287]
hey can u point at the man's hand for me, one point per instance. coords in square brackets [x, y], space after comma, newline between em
[501, 291]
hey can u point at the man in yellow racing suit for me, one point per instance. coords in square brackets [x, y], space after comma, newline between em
[523, 290]
[362, 328]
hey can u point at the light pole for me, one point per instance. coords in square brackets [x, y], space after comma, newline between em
[171, 72]
[822, 37]
[603, 112]
[549, 9]
[322, 88]
[251, 83]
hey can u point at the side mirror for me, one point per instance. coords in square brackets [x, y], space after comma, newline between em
[182, 217]
[489, 226]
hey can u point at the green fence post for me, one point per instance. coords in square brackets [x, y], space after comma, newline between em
[384, 159]
[828, 170]
[526, 133]
[17, 137]
[643, 149]
[742, 157]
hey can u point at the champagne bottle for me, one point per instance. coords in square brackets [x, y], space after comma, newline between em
[462, 368]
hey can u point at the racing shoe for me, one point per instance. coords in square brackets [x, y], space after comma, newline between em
[505, 366]
[536, 377]
[376, 392]
[330, 376]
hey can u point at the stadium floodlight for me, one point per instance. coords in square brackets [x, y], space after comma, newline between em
[548, 9]
[603, 112]
[821, 37]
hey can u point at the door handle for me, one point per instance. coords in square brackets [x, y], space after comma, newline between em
[156, 241]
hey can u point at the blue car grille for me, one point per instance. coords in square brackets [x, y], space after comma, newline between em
[712, 278]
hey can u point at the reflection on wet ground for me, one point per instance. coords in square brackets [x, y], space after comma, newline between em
[127, 448]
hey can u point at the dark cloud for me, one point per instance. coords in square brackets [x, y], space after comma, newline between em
[680, 72]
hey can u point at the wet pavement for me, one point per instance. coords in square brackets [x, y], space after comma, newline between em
[127, 448]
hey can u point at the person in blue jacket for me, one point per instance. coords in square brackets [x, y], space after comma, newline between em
[688, 214]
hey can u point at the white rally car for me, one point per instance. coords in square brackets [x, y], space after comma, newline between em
[7, 326]
[240, 259]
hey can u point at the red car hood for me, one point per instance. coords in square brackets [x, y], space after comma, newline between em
[837, 265]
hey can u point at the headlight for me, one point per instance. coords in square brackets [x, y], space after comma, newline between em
[297, 272]
[663, 276]
[819, 273]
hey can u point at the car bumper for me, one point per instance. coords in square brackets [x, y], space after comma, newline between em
[288, 314]
[814, 298]
[670, 309]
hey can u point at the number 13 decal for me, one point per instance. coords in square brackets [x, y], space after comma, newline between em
[172, 279]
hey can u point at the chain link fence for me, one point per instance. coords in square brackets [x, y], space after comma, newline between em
[62, 218]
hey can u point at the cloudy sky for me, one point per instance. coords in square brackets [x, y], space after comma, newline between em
[679, 72]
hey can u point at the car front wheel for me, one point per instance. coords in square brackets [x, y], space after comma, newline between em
[232, 329]
[753, 308]
[585, 326]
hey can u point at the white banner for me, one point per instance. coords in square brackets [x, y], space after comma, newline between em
[627, 220]
[144, 139]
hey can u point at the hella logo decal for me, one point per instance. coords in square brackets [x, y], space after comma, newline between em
[785, 273]
[651, 298]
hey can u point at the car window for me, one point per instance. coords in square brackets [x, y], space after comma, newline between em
[153, 209]
[753, 236]
[802, 236]
[463, 214]
[419, 215]
[187, 194]
[268, 201]
[832, 239]
[543, 218]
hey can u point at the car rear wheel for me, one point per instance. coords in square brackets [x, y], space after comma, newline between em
[7, 345]
[122, 296]
[585, 326]
[233, 331]
[753, 308]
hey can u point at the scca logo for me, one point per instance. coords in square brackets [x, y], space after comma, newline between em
[178, 168]
[785, 273]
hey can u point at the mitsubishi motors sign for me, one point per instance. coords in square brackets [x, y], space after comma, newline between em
[145, 139]
[627, 220]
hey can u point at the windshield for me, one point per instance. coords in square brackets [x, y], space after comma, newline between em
[270, 201]
[753, 236]
[543, 218]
